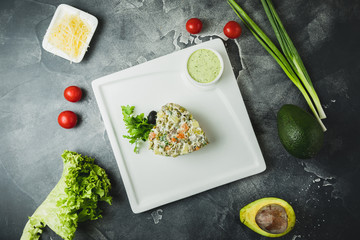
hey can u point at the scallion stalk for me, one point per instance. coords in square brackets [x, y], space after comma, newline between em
[291, 63]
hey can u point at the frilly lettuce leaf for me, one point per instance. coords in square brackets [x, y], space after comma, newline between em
[74, 198]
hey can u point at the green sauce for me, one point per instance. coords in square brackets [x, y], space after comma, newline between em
[204, 66]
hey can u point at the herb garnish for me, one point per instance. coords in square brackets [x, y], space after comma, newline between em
[138, 126]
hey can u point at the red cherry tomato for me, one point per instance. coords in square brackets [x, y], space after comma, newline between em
[67, 119]
[232, 29]
[73, 93]
[194, 25]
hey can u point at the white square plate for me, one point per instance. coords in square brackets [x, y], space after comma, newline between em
[62, 10]
[152, 180]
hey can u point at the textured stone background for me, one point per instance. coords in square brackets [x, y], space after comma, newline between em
[324, 191]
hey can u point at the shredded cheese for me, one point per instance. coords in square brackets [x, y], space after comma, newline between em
[70, 35]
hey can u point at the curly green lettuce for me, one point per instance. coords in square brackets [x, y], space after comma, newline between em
[74, 199]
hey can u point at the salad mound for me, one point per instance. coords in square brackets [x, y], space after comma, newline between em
[176, 132]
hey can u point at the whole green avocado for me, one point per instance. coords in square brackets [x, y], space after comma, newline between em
[299, 132]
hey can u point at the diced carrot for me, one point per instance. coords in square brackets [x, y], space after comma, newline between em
[180, 135]
[197, 148]
[173, 139]
[152, 135]
[185, 127]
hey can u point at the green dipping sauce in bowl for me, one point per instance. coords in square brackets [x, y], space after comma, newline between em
[205, 66]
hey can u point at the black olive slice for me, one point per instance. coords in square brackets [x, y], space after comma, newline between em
[152, 117]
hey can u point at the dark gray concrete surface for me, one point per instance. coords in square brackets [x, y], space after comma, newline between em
[324, 191]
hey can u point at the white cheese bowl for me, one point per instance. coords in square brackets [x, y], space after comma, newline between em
[61, 11]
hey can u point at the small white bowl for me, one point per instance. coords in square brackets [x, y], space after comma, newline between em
[62, 10]
[204, 84]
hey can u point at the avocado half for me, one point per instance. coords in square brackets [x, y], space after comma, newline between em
[270, 217]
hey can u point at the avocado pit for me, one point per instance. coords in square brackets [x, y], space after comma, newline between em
[272, 218]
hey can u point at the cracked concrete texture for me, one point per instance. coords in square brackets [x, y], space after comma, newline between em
[323, 190]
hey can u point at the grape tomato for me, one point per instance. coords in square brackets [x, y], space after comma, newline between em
[232, 30]
[73, 93]
[67, 119]
[194, 25]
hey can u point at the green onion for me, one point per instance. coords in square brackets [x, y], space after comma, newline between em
[291, 63]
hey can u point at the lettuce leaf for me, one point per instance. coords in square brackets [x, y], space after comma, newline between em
[74, 198]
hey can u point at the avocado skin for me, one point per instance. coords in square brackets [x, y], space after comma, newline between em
[299, 132]
[248, 215]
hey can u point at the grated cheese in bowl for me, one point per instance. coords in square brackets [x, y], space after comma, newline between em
[69, 33]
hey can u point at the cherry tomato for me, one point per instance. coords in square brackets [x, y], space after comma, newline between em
[232, 29]
[194, 25]
[67, 119]
[73, 93]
